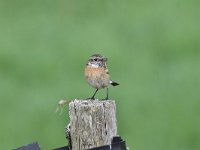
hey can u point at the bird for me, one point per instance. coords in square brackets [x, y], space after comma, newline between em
[97, 74]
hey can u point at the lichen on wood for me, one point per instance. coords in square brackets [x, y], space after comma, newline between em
[92, 123]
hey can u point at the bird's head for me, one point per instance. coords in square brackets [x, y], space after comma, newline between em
[97, 60]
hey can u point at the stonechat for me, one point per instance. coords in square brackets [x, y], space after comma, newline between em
[97, 75]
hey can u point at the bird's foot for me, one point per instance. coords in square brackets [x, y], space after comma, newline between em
[91, 98]
[106, 98]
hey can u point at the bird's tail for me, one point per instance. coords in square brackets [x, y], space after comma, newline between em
[113, 83]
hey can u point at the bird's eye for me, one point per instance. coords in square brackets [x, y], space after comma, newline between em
[95, 59]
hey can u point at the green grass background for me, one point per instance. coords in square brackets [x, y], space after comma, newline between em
[154, 53]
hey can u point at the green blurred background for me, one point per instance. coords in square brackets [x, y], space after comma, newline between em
[154, 53]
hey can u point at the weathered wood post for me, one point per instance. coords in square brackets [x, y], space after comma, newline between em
[92, 123]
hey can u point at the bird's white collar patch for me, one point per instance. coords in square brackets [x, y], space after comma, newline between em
[94, 65]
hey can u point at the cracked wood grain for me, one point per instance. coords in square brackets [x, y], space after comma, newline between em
[92, 123]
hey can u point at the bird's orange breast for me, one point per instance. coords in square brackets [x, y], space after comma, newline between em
[97, 77]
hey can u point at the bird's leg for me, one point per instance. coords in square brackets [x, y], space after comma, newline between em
[93, 95]
[106, 94]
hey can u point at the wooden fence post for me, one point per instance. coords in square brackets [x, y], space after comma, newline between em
[92, 123]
